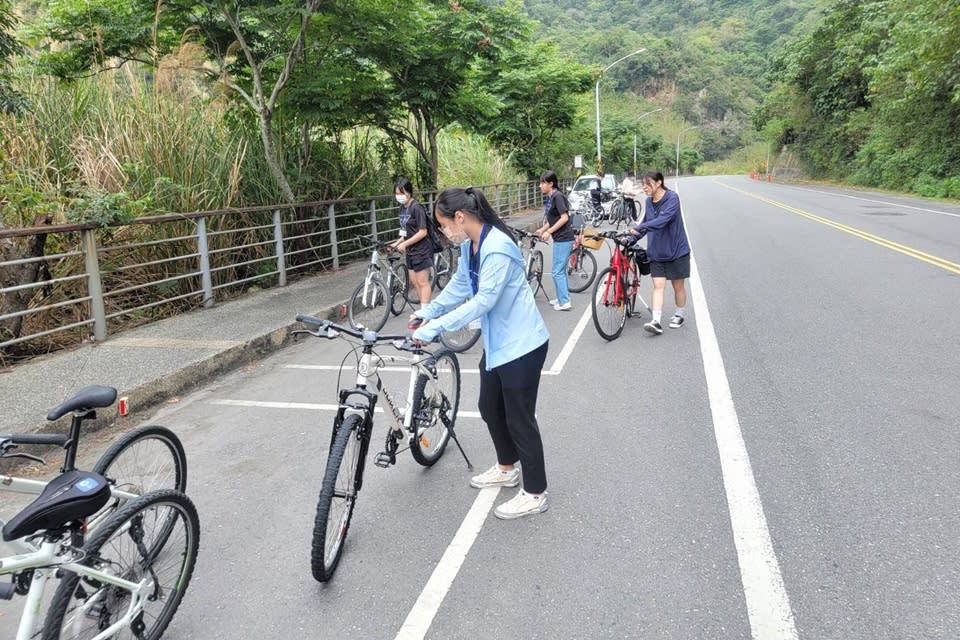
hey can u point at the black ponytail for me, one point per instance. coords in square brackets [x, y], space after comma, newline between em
[473, 203]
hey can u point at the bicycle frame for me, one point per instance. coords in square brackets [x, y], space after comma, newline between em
[373, 271]
[44, 557]
[623, 266]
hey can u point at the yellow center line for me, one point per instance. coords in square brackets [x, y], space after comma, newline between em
[936, 261]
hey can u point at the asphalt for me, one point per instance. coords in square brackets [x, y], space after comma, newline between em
[159, 361]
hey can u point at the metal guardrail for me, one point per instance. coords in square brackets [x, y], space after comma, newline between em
[95, 281]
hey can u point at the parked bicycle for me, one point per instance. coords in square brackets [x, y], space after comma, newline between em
[384, 289]
[617, 288]
[425, 426]
[621, 211]
[582, 265]
[123, 538]
[444, 266]
[532, 258]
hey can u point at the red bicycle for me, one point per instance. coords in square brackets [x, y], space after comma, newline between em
[617, 289]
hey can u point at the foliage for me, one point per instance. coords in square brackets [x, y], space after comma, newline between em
[872, 94]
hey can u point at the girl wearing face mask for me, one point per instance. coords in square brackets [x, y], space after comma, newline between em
[490, 284]
[413, 240]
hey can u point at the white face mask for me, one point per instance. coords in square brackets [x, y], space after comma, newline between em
[401, 198]
[455, 237]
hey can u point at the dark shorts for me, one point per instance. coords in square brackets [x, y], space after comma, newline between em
[419, 262]
[678, 269]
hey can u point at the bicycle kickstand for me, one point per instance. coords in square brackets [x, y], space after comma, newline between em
[453, 434]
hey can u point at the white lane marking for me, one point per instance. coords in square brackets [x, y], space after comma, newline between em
[571, 343]
[310, 406]
[425, 608]
[886, 202]
[768, 606]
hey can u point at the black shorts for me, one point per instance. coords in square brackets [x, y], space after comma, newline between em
[419, 262]
[678, 269]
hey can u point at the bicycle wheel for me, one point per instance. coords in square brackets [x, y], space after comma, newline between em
[146, 459]
[445, 266]
[436, 399]
[581, 270]
[399, 284]
[461, 339]
[338, 494]
[368, 305]
[535, 268]
[126, 546]
[609, 310]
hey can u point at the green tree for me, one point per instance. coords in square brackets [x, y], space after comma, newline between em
[10, 100]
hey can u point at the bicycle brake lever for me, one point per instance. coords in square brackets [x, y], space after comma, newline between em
[27, 456]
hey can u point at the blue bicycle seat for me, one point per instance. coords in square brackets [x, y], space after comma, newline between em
[69, 497]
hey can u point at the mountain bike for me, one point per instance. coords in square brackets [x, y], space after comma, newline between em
[444, 266]
[425, 426]
[384, 288]
[617, 288]
[532, 258]
[125, 554]
[621, 212]
[582, 265]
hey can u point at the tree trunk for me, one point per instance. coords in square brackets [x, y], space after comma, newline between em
[270, 150]
[18, 275]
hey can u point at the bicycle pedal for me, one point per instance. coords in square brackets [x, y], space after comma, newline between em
[384, 459]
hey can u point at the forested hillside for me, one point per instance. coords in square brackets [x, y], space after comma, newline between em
[706, 62]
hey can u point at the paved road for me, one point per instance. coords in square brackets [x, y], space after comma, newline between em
[784, 466]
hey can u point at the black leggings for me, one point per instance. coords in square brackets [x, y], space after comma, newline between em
[508, 402]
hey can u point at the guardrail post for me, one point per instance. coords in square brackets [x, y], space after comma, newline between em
[332, 221]
[278, 244]
[496, 200]
[373, 219]
[206, 280]
[88, 240]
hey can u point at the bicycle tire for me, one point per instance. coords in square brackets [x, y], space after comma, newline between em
[609, 312]
[371, 313]
[148, 458]
[81, 600]
[535, 268]
[340, 482]
[581, 270]
[445, 266]
[399, 284]
[460, 340]
[432, 396]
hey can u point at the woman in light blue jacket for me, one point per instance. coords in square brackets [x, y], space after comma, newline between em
[490, 284]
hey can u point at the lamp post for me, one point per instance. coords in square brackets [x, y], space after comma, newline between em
[677, 174]
[642, 116]
[605, 69]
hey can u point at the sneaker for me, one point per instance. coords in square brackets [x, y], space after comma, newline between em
[566, 306]
[522, 504]
[653, 327]
[676, 322]
[554, 302]
[495, 477]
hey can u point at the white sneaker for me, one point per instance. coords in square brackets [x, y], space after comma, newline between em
[566, 306]
[676, 322]
[553, 302]
[522, 504]
[496, 477]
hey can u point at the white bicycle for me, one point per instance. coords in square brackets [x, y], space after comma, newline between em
[122, 540]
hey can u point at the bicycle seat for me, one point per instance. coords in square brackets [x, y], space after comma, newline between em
[92, 397]
[70, 496]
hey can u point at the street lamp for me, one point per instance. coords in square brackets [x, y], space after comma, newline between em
[635, 137]
[605, 69]
[677, 174]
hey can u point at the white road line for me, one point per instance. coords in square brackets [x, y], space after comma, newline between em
[886, 202]
[768, 606]
[308, 406]
[425, 608]
[567, 350]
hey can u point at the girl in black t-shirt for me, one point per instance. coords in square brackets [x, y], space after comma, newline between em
[413, 240]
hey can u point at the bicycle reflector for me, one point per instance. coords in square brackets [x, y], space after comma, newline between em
[122, 408]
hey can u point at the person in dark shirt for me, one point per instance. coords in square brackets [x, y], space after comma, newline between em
[556, 226]
[413, 240]
[667, 248]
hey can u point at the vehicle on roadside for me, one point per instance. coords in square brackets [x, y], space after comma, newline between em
[580, 190]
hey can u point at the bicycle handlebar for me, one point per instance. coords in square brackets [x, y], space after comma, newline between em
[373, 242]
[330, 330]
